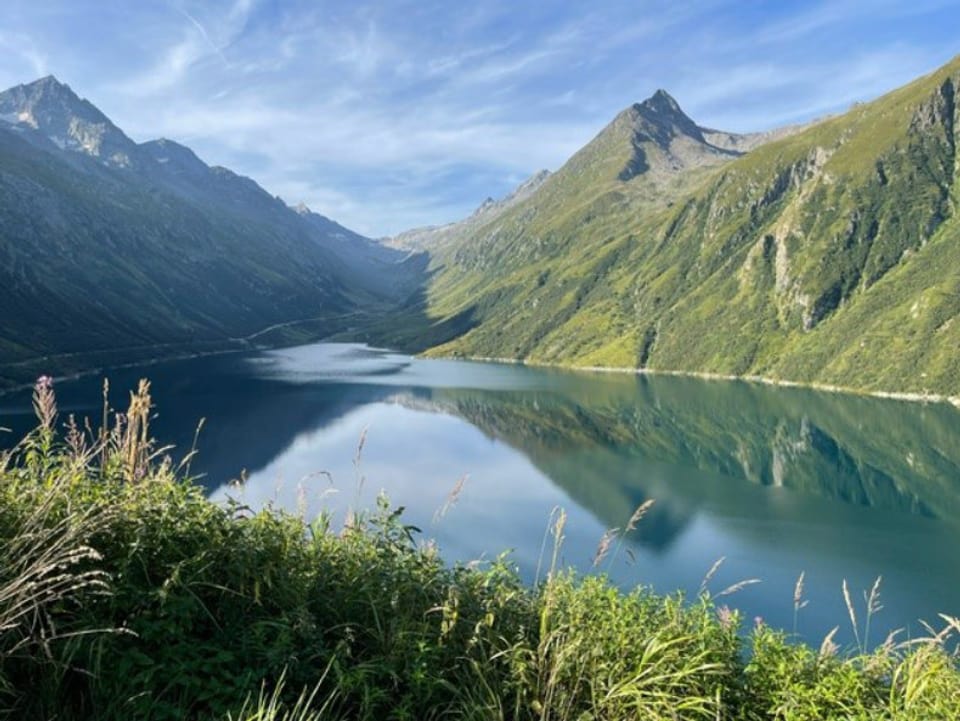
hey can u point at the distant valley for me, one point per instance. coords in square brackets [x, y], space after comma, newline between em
[114, 251]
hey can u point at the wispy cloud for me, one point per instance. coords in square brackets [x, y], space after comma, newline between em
[185, 41]
[25, 52]
[829, 14]
[404, 112]
[203, 34]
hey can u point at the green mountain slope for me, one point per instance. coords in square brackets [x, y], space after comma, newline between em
[829, 255]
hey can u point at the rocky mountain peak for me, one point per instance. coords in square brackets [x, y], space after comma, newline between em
[487, 203]
[654, 138]
[663, 102]
[46, 102]
[49, 81]
[53, 109]
[533, 182]
[661, 117]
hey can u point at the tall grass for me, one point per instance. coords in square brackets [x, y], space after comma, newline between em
[125, 593]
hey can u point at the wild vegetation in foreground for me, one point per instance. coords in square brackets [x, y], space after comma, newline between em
[125, 593]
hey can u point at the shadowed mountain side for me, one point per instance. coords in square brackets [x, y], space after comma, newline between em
[113, 252]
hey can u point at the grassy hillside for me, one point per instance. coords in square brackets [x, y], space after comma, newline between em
[827, 256]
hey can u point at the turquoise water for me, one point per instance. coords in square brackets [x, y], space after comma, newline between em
[777, 481]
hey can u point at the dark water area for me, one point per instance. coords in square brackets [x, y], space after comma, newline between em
[777, 481]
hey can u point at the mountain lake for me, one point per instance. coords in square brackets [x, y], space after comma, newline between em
[776, 481]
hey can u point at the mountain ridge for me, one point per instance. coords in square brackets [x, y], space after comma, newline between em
[658, 121]
[431, 237]
[818, 254]
[821, 256]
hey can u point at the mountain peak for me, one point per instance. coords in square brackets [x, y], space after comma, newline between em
[653, 135]
[487, 203]
[48, 87]
[662, 108]
[47, 80]
[53, 109]
[662, 98]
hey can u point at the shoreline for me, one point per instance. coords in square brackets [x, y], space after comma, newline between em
[703, 375]
[242, 344]
[76, 375]
[910, 397]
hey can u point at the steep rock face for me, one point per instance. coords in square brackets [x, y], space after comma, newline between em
[862, 229]
[825, 254]
[55, 111]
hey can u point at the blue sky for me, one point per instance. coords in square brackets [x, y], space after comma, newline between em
[393, 114]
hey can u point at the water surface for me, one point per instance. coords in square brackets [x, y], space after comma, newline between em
[778, 481]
